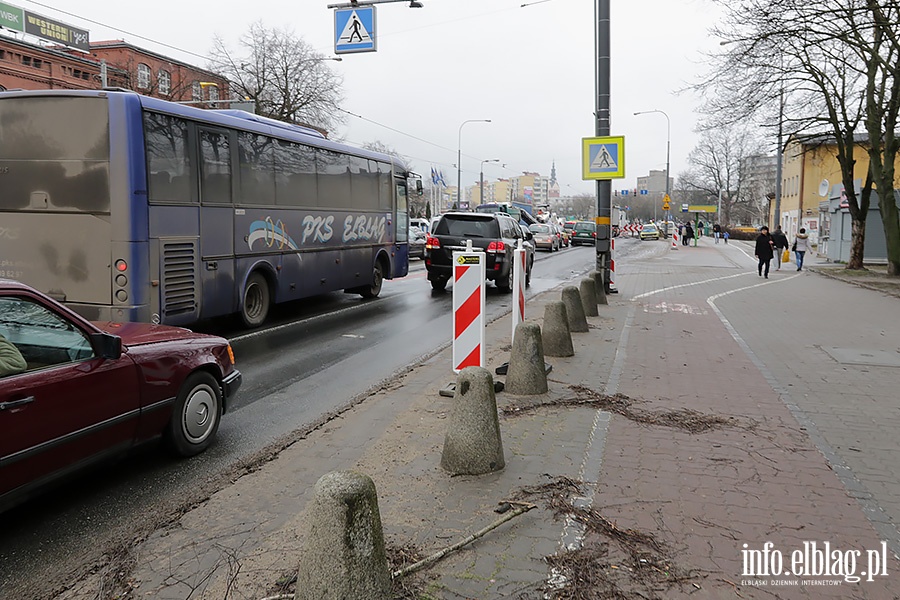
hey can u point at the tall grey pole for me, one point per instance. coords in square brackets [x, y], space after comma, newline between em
[602, 115]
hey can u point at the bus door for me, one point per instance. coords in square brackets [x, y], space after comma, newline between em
[216, 176]
[401, 266]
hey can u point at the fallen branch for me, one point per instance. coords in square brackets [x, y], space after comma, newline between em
[521, 507]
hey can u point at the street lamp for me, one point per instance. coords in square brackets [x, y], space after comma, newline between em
[459, 160]
[481, 179]
[668, 151]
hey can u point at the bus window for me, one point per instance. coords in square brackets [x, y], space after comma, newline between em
[256, 157]
[61, 149]
[168, 162]
[215, 167]
[333, 177]
[385, 184]
[363, 184]
[295, 174]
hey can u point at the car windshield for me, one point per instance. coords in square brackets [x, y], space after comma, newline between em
[468, 226]
[540, 229]
[649, 227]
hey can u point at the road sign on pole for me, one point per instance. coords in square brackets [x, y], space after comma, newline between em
[354, 30]
[469, 271]
[666, 202]
[603, 157]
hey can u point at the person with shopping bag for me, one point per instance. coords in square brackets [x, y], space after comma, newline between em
[780, 241]
[801, 247]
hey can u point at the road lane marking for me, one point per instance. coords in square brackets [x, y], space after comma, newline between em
[684, 285]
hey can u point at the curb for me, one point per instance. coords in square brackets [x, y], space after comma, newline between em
[859, 284]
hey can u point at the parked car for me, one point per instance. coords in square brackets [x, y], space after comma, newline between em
[544, 237]
[585, 233]
[417, 239]
[496, 234]
[74, 392]
[649, 232]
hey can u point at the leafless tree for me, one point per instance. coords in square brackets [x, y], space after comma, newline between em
[820, 66]
[285, 77]
[718, 167]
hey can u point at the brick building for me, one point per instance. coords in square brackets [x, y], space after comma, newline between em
[33, 66]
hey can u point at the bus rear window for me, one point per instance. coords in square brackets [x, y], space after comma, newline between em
[54, 153]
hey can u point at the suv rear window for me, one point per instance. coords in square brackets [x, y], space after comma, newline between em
[468, 226]
[584, 226]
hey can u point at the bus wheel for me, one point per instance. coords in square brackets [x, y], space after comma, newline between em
[373, 290]
[196, 416]
[255, 305]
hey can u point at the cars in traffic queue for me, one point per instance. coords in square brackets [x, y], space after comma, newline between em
[585, 232]
[649, 232]
[416, 240]
[564, 239]
[544, 236]
[74, 393]
[495, 234]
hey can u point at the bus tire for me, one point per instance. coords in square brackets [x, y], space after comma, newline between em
[256, 301]
[196, 416]
[373, 290]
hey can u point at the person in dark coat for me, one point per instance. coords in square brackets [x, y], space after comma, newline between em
[688, 234]
[764, 250]
[779, 240]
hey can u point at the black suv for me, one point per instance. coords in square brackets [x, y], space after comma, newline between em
[494, 234]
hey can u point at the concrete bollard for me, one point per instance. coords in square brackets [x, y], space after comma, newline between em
[588, 291]
[600, 287]
[527, 375]
[574, 310]
[344, 556]
[472, 445]
[556, 338]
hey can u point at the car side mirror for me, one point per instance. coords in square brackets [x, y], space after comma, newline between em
[106, 345]
[529, 236]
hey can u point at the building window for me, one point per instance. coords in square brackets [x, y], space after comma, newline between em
[143, 76]
[213, 93]
[165, 82]
[196, 91]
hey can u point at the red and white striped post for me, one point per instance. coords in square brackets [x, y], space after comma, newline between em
[468, 308]
[519, 274]
[675, 239]
[612, 265]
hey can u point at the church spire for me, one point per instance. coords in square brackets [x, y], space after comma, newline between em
[553, 173]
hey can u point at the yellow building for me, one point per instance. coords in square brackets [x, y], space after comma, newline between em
[809, 168]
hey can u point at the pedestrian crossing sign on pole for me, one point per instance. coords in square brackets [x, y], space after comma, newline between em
[603, 157]
[354, 30]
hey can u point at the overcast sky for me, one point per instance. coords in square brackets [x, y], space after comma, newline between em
[528, 69]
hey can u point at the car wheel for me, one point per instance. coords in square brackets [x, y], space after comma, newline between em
[528, 273]
[373, 290]
[196, 416]
[439, 285]
[256, 301]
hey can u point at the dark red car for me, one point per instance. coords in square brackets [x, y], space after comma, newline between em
[73, 392]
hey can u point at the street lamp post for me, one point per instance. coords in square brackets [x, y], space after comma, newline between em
[668, 153]
[481, 178]
[459, 159]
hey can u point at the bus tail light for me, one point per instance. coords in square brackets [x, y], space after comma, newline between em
[495, 247]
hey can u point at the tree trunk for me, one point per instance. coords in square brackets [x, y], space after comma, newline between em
[857, 244]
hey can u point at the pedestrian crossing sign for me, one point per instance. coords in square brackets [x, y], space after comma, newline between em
[354, 30]
[603, 157]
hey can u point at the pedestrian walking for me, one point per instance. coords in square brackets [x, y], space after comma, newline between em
[801, 247]
[717, 231]
[726, 235]
[781, 245]
[688, 234]
[764, 250]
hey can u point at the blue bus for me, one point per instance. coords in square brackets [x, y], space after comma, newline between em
[131, 208]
